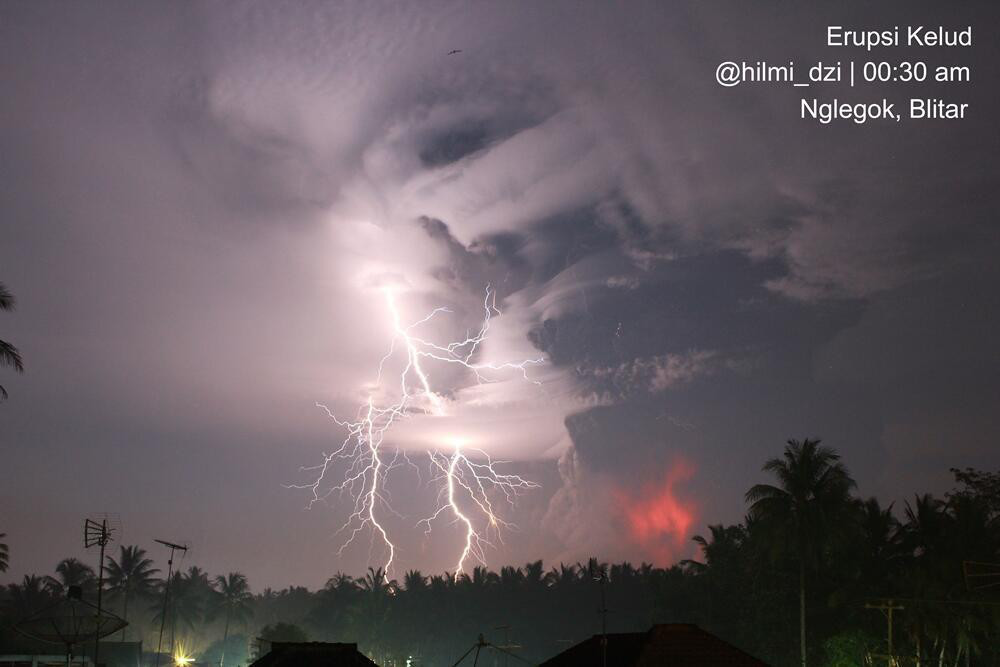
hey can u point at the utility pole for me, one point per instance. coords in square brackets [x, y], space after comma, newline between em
[887, 608]
[602, 579]
[166, 593]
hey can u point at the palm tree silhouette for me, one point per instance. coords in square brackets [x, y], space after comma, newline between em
[130, 575]
[9, 356]
[71, 572]
[414, 581]
[809, 505]
[27, 597]
[232, 597]
[188, 593]
[372, 612]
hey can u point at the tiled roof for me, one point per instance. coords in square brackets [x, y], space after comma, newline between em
[667, 645]
[313, 654]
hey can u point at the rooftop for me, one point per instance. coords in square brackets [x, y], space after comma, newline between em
[667, 645]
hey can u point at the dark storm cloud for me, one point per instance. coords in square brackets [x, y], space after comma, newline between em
[197, 200]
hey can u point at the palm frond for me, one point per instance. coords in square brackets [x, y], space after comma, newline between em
[7, 300]
[760, 492]
[10, 357]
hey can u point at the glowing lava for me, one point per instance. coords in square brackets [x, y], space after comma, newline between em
[658, 519]
[369, 460]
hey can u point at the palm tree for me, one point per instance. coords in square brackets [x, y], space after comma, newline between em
[232, 596]
[414, 581]
[341, 581]
[372, 611]
[130, 575]
[534, 575]
[562, 579]
[188, 592]
[809, 504]
[510, 577]
[4, 554]
[594, 569]
[331, 609]
[27, 597]
[9, 356]
[719, 551]
[879, 542]
[71, 572]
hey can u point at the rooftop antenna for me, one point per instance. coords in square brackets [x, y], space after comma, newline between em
[480, 644]
[166, 591]
[507, 646]
[98, 534]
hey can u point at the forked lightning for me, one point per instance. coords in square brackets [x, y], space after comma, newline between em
[370, 458]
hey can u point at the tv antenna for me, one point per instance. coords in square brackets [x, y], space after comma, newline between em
[507, 646]
[480, 644]
[99, 534]
[166, 593]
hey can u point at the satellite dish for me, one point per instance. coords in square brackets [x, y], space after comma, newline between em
[70, 621]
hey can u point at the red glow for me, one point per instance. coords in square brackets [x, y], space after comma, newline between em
[657, 518]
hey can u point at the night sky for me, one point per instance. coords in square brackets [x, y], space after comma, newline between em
[202, 203]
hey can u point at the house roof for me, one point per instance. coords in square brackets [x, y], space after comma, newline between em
[667, 645]
[313, 654]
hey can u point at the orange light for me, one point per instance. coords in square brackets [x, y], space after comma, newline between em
[658, 518]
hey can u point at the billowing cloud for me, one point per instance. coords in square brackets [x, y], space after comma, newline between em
[656, 374]
[207, 201]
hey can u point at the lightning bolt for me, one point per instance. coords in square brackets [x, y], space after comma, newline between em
[369, 460]
[476, 480]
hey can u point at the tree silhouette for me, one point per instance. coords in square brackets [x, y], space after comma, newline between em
[189, 592]
[4, 553]
[231, 599]
[9, 356]
[130, 576]
[27, 597]
[372, 610]
[805, 510]
[745, 587]
[414, 582]
[71, 572]
[283, 632]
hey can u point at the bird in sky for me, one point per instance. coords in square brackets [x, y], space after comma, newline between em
[454, 51]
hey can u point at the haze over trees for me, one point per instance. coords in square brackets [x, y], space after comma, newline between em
[789, 585]
[129, 577]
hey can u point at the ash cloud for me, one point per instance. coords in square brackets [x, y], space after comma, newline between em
[203, 199]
